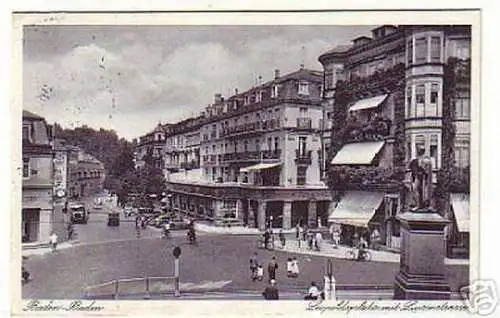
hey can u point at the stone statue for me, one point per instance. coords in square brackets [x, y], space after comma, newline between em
[421, 180]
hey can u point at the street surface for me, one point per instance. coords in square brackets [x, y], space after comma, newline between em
[107, 253]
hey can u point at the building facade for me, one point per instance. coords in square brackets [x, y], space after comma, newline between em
[260, 157]
[398, 95]
[150, 147]
[39, 216]
[182, 146]
[86, 174]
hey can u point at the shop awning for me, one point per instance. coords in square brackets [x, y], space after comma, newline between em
[358, 153]
[260, 166]
[460, 205]
[367, 103]
[356, 208]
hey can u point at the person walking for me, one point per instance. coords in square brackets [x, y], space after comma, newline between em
[266, 239]
[282, 238]
[271, 292]
[53, 241]
[254, 265]
[318, 240]
[271, 268]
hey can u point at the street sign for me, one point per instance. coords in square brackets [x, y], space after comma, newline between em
[177, 252]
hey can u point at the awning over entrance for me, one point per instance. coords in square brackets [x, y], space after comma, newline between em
[260, 166]
[358, 153]
[460, 205]
[367, 103]
[356, 208]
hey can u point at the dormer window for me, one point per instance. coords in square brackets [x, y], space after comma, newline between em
[274, 92]
[26, 133]
[303, 88]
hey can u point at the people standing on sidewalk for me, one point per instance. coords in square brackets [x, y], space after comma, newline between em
[318, 240]
[301, 235]
[53, 241]
[271, 292]
[282, 238]
[271, 268]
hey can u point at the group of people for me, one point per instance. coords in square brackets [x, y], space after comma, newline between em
[314, 239]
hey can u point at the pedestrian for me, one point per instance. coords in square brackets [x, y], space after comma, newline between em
[375, 238]
[336, 238]
[319, 223]
[304, 233]
[271, 268]
[254, 264]
[266, 239]
[318, 240]
[282, 239]
[70, 231]
[53, 241]
[310, 238]
[260, 273]
[271, 291]
[330, 230]
[297, 231]
[301, 235]
[295, 267]
[313, 293]
[289, 265]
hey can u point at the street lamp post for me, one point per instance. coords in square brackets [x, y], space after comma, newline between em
[176, 252]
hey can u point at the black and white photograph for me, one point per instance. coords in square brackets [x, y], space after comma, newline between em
[313, 163]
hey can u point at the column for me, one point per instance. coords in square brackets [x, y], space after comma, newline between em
[312, 214]
[287, 215]
[261, 215]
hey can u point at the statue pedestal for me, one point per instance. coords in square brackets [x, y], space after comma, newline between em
[422, 272]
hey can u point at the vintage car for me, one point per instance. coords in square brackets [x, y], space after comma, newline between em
[113, 219]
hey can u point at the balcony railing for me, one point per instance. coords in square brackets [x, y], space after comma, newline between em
[304, 157]
[252, 127]
[304, 123]
[252, 155]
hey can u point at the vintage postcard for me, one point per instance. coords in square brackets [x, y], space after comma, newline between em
[243, 163]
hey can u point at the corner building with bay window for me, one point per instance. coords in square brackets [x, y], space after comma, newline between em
[260, 154]
[404, 90]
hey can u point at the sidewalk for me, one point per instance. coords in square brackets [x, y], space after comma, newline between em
[327, 250]
[235, 230]
[43, 249]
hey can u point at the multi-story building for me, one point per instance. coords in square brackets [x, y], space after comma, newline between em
[86, 173]
[402, 93]
[260, 156]
[182, 146]
[151, 145]
[39, 217]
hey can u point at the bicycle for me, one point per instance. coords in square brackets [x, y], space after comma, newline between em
[351, 254]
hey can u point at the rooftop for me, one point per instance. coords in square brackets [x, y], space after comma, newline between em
[30, 115]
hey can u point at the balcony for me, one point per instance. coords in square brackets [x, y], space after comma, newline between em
[303, 158]
[252, 156]
[304, 123]
[251, 128]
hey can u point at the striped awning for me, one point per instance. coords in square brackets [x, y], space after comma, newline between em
[367, 103]
[358, 153]
[460, 206]
[356, 208]
[260, 166]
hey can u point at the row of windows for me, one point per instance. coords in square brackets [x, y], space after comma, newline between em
[423, 100]
[424, 49]
[235, 146]
[430, 143]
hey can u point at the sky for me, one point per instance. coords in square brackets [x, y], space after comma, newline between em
[130, 78]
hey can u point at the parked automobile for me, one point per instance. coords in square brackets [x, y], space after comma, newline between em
[79, 214]
[129, 211]
[113, 219]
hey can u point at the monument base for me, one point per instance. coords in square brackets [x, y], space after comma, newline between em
[421, 287]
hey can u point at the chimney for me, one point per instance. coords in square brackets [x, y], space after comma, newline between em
[276, 73]
[217, 98]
